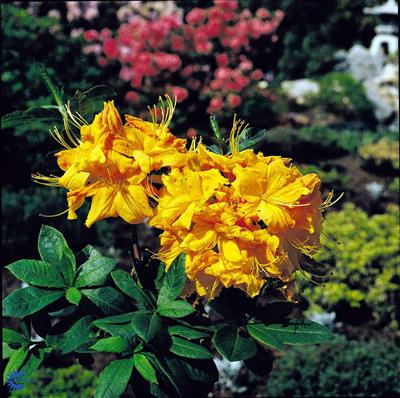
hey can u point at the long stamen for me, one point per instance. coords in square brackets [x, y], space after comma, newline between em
[328, 201]
[54, 215]
[55, 133]
[167, 110]
[290, 204]
[51, 181]
[238, 128]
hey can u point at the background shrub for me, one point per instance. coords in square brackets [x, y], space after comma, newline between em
[341, 93]
[74, 381]
[363, 254]
[340, 368]
[381, 157]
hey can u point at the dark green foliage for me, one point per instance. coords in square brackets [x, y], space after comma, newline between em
[340, 93]
[317, 143]
[340, 368]
[313, 30]
[74, 381]
[28, 39]
[155, 332]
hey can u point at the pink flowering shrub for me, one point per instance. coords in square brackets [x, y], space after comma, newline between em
[207, 55]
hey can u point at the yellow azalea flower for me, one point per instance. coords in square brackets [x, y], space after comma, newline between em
[112, 161]
[182, 193]
[240, 218]
[272, 191]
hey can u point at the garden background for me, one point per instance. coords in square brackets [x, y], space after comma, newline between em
[301, 71]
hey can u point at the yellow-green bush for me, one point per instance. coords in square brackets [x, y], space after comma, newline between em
[74, 381]
[383, 154]
[363, 253]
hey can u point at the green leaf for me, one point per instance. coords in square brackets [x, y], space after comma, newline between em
[41, 70]
[175, 309]
[186, 332]
[26, 301]
[12, 337]
[46, 118]
[193, 375]
[114, 378]
[94, 271]
[73, 295]
[264, 335]
[226, 311]
[261, 364]
[159, 364]
[146, 325]
[90, 102]
[123, 318]
[54, 249]
[185, 348]
[78, 334]
[174, 281]
[35, 359]
[144, 367]
[275, 312]
[63, 312]
[123, 330]
[128, 286]
[111, 344]
[300, 332]
[251, 142]
[90, 251]
[109, 300]
[38, 273]
[15, 362]
[234, 347]
[7, 351]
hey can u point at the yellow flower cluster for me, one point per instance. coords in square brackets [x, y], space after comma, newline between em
[112, 161]
[240, 218]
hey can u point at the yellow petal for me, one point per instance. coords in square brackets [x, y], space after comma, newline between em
[132, 204]
[199, 239]
[274, 216]
[102, 205]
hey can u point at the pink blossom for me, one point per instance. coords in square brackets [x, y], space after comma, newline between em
[216, 84]
[262, 13]
[177, 43]
[234, 100]
[242, 80]
[246, 13]
[171, 62]
[180, 93]
[246, 65]
[132, 96]
[203, 47]
[257, 74]
[105, 33]
[191, 133]
[222, 59]
[126, 73]
[226, 4]
[223, 73]
[214, 28]
[110, 48]
[102, 61]
[215, 104]
[91, 35]
[187, 71]
[195, 16]
[137, 80]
